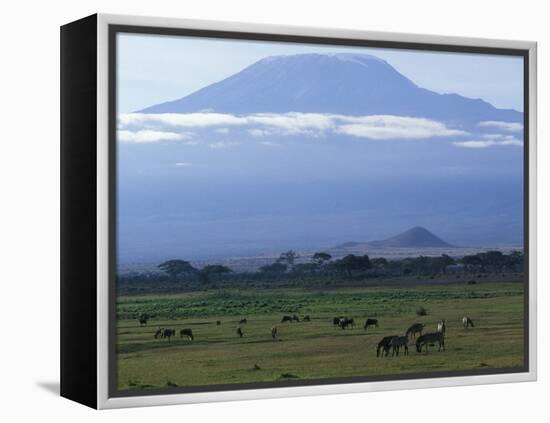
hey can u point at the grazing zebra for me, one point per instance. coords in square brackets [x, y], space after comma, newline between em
[430, 338]
[345, 322]
[441, 326]
[188, 333]
[274, 332]
[384, 345]
[370, 322]
[286, 319]
[158, 332]
[242, 321]
[466, 321]
[168, 333]
[240, 332]
[414, 329]
[398, 342]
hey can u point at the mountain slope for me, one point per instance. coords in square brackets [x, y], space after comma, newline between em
[417, 237]
[342, 83]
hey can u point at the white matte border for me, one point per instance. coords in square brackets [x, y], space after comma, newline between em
[103, 401]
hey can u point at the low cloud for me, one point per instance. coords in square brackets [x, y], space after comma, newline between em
[378, 127]
[182, 120]
[270, 144]
[485, 143]
[504, 126]
[396, 127]
[222, 145]
[148, 136]
[184, 164]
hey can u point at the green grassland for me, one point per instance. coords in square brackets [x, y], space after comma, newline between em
[315, 349]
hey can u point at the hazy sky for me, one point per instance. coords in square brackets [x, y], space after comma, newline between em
[222, 184]
[154, 69]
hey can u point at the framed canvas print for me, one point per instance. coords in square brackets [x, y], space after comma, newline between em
[254, 211]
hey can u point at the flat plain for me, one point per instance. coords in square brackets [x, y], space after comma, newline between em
[316, 349]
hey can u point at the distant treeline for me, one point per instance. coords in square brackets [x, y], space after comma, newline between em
[292, 270]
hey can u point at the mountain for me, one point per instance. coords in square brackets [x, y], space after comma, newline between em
[417, 237]
[344, 83]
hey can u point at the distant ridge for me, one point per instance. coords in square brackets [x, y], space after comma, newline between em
[417, 237]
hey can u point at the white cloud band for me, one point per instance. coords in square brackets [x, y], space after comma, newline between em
[504, 126]
[488, 143]
[377, 127]
[147, 136]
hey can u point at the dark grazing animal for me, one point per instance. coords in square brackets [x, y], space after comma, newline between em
[399, 342]
[430, 339]
[240, 332]
[143, 320]
[168, 333]
[345, 322]
[384, 346]
[441, 327]
[286, 319]
[295, 318]
[466, 321]
[158, 332]
[414, 329]
[218, 322]
[306, 318]
[242, 321]
[370, 322]
[274, 332]
[187, 332]
[336, 321]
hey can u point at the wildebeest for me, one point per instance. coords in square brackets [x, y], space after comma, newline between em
[187, 332]
[168, 333]
[306, 318]
[274, 332]
[158, 332]
[143, 320]
[430, 338]
[345, 322]
[242, 321]
[295, 318]
[370, 322]
[398, 342]
[286, 319]
[466, 321]
[336, 321]
[441, 326]
[384, 345]
[240, 332]
[414, 329]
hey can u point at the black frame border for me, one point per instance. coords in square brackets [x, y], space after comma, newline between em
[114, 29]
[78, 211]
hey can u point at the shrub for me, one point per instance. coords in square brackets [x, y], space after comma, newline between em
[472, 282]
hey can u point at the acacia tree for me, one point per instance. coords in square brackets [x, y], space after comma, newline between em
[176, 267]
[212, 269]
[288, 257]
[321, 258]
[352, 263]
[439, 264]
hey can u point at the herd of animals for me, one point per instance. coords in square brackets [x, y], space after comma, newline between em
[392, 343]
